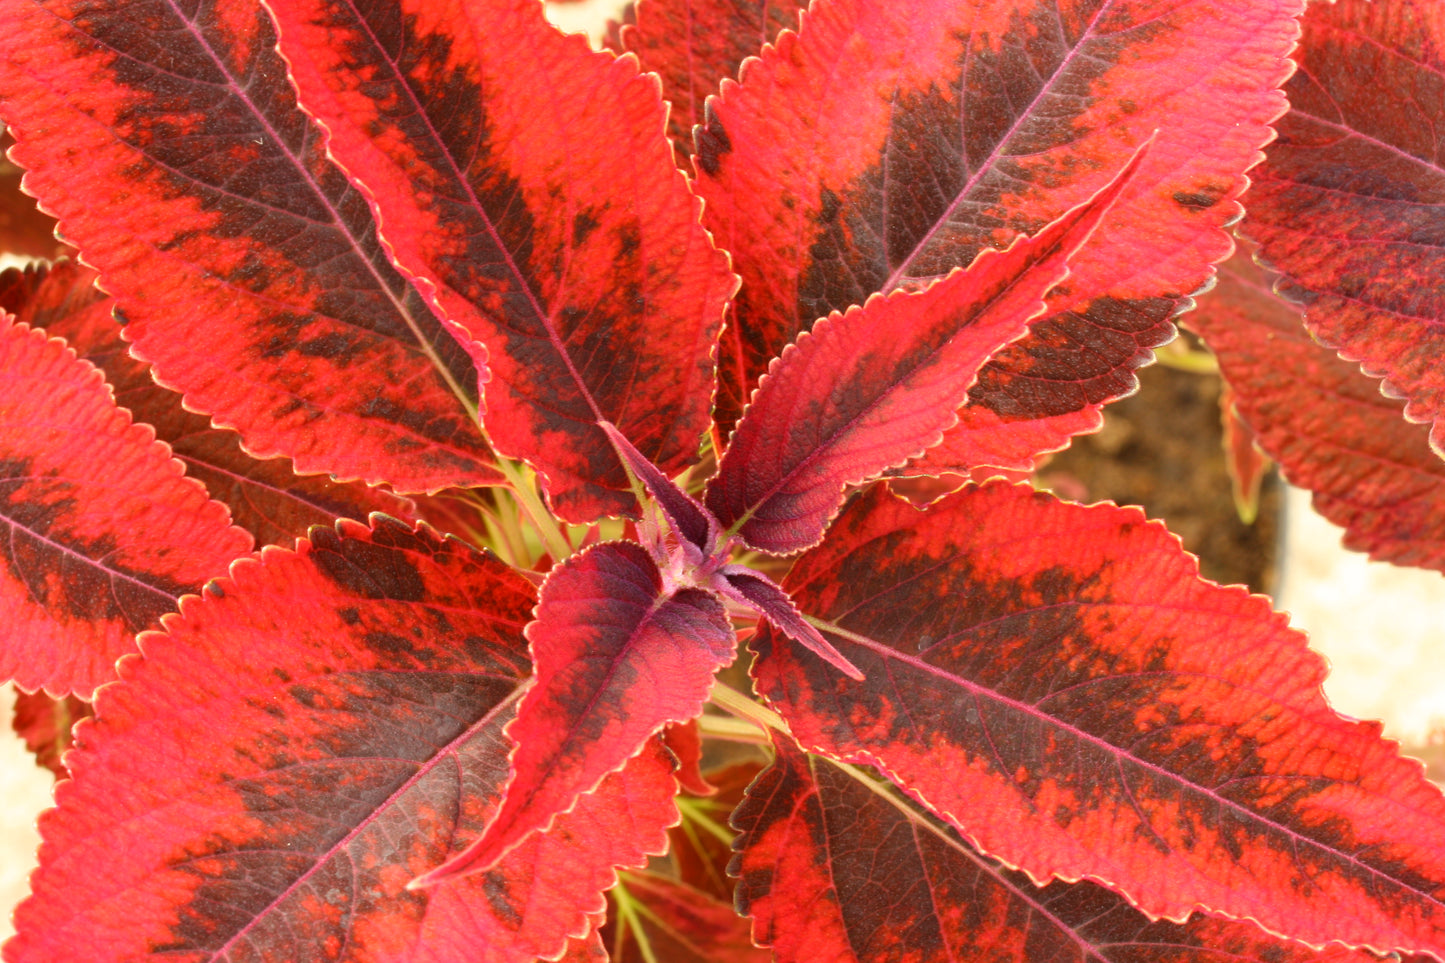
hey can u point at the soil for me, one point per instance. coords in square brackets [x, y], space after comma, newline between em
[1162, 449]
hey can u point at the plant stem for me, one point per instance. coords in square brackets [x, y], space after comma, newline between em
[837, 630]
[732, 730]
[526, 494]
[694, 813]
[726, 697]
[1179, 356]
[628, 911]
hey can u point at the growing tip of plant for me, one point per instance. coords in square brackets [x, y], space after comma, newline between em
[688, 517]
[757, 592]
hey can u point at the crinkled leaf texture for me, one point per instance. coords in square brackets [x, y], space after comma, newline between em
[868, 389]
[166, 138]
[890, 142]
[834, 870]
[100, 530]
[1348, 205]
[1328, 425]
[319, 729]
[265, 497]
[618, 655]
[523, 178]
[1058, 682]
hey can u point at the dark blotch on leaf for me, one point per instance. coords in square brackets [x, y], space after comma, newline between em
[582, 227]
[494, 887]
[711, 142]
[1074, 359]
[390, 643]
[1197, 201]
[333, 347]
[370, 571]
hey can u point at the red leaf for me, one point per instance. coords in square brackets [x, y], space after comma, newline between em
[589, 948]
[692, 523]
[321, 728]
[45, 724]
[685, 742]
[1346, 206]
[1059, 683]
[42, 294]
[867, 390]
[265, 497]
[894, 141]
[833, 871]
[184, 172]
[618, 655]
[683, 925]
[693, 45]
[525, 179]
[101, 530]
[1326, 423]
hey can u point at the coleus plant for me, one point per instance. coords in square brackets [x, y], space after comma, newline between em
[544, 399]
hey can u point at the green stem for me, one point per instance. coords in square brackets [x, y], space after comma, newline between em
[726, 697]
[525, 492]
[732, 730]
[506, 538]
[838, 630]
[628, 911]
[1184, 359]
[694, 813]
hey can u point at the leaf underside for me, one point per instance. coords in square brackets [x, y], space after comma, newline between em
[1058, 682]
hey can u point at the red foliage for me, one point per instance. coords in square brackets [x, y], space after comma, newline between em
[47, 726]
[102, 530]
[435, 247]
[554, 229]
[1329, 426]
[1343, 206]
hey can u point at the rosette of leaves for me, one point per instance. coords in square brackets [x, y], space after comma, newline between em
[538, 429]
